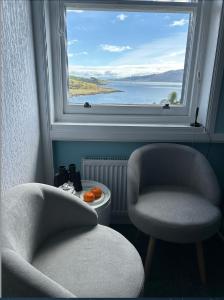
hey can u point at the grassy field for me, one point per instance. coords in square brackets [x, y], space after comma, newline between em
[87, 86]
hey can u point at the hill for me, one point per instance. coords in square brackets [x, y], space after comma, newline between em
[169, 76]
[89, 80]
[79, 86]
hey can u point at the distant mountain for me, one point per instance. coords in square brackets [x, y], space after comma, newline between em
[89, 80]
[169, 76]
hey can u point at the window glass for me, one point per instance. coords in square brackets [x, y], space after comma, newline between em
[126, 57]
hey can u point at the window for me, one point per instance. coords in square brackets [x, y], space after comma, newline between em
[132, 62]
[126, 57]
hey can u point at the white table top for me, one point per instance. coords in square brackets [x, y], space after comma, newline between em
[87, 185]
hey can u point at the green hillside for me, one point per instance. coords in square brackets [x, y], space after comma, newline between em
[87, 86]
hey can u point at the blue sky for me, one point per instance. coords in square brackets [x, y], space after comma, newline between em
[119, 44]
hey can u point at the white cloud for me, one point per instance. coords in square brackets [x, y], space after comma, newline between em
[158, 56]
[122, 70]
[175, 54]
[77, 11]
[180, 22]
[72, 42]
[114, 48]
[121, 17]
[156, 52]
[70, 54]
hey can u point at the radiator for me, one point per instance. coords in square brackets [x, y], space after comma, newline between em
[113, 173]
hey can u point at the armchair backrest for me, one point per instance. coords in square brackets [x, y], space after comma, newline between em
[166, 164]
[173, 164]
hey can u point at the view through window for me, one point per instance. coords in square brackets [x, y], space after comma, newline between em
[126, 57]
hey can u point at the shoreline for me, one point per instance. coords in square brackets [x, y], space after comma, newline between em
[95, 93]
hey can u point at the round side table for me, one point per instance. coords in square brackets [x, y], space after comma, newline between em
[102, 205]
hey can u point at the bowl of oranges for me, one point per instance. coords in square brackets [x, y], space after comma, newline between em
[92, 194]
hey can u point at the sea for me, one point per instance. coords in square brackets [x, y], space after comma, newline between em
[132, 92]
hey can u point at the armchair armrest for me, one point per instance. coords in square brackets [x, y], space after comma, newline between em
[21, 279]
[62, 211]
[42, 211]
[59, 204]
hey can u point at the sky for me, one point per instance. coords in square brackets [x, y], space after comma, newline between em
[108, 44]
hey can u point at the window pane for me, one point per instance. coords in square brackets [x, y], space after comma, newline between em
[132, 58]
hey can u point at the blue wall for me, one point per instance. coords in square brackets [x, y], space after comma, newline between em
[72, 152]
[220, 115]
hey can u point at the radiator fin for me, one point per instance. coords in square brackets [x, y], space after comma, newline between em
[112, 173]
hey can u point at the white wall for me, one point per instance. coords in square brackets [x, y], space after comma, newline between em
[21, 157]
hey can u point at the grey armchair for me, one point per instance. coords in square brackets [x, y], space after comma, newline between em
[173, 195]
[54, 247]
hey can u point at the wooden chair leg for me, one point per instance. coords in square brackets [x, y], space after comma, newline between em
[201, 262]
[150, 251]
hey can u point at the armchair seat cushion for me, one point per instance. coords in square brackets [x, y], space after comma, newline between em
[175, 214]
[92, 262]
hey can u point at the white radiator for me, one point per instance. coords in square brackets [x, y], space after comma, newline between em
[112, 173]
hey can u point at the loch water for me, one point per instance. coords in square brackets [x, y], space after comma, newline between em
[132, 92]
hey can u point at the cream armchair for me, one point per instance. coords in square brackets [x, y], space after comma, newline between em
[53, 246]
[173, 195]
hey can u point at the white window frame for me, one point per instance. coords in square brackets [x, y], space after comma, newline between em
[166, 125]
[125, 113]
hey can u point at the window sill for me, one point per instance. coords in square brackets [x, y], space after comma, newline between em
[127, 132]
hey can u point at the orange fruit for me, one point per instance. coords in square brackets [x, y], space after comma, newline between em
[88, 197]
[96, 191]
